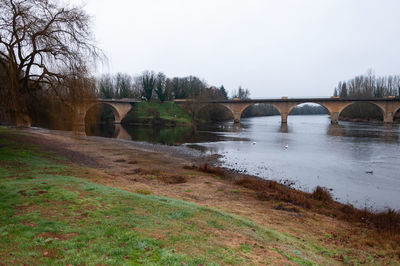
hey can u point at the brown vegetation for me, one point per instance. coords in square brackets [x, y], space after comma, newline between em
[206, 168]
[164, 177]
[321, 194]
[321, 201]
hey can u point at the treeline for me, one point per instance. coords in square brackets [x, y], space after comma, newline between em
[366, 86]
[261, 109]
[152, 86]
[268, 110]
[308, 109]
[157, 86]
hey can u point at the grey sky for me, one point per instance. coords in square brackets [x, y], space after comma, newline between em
[274, 48]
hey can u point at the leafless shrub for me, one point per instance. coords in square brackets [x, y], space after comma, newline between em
[212, 170]
[321, 194]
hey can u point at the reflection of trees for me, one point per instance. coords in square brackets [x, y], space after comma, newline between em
[106, 130]
[168, 136]
[387, 132]
[390, 133]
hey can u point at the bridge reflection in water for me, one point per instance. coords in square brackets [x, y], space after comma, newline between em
[214, 132]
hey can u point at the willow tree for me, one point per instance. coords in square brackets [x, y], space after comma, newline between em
[45, 49]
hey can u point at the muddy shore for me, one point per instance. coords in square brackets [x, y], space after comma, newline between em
[178, 172]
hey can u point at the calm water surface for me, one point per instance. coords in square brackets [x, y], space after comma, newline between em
[359, 162]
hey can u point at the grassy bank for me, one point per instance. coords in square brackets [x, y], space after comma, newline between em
[48, 215]
[106, 211]
[167, 113]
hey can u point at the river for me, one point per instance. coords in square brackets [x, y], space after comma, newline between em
[358, 162]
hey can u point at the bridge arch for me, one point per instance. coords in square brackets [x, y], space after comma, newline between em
[204, 107]
[292, 108]
[364, 105]
[334, 109]
[119, 109]
[116, 114]
[396, 115]
[261, 109]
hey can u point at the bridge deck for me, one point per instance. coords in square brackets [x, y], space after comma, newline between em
[280, 100]
[125, 100]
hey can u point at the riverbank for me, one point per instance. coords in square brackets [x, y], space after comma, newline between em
[154, 171]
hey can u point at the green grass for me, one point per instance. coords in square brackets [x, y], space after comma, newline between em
[49, 217]
[167, 111]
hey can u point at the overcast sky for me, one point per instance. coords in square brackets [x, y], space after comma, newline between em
[294, 48]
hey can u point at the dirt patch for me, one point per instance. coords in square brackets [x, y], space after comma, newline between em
[33, 192]
[56, 236]
[173, 179]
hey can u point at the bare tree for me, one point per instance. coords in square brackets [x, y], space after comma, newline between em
[43, 47]
[123, 83]
[343, 90]
[106, 87]
[241, 93]
[148, 82]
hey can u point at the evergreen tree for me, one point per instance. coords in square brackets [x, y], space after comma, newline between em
[223, 92]
[161, 88]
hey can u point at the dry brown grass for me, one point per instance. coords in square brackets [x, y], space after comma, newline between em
[272, 190]
[173, 179]
[212, 170]
[320, 200]
[189, 167]
[164, 177]
[322, 194]
[383, 221]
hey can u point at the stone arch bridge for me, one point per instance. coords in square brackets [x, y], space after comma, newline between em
[388, 106]
[121, 107]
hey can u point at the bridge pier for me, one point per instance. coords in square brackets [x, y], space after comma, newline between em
[334, 117]
[236, 117]
[284, 117]
[388, 118]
